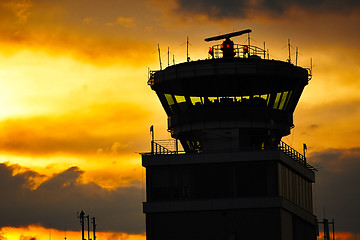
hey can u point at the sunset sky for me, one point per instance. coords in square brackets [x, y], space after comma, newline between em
[75, 109]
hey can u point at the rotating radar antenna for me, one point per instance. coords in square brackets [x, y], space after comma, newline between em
[227, 47]
[228, 36]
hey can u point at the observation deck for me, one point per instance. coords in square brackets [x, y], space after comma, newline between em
[171, 146]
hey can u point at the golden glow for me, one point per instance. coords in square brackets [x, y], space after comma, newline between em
[35, 232]
[73, 84]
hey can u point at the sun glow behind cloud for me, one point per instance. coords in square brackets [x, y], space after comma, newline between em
[58, 111]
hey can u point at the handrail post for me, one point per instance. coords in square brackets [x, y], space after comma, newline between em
[152, 147]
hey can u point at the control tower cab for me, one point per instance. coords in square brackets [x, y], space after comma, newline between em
[232, 101]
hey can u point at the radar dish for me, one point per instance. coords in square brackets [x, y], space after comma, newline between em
[229, 35]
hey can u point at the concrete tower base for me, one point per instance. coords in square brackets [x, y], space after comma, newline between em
[263, 194]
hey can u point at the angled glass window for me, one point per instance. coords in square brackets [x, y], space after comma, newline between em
[283, 99]
[264, 96]
[169, 99]
[245, 98]
[195, 100]
[288, 100]
[179, 99]
[213, 99]
[277, 99]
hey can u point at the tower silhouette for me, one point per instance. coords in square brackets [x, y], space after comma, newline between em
[235, 179]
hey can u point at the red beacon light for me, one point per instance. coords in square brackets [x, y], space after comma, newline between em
[246, 49]
[211, 51]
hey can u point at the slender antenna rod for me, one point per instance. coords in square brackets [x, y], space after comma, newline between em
[173, 59]
[159, 57]
[289, 59]
[152, 138]
[168, 57]
[311, 65]
[187, 49]
[296, 56]
[264, 51]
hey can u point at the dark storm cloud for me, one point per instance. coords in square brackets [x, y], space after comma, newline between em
[337, 187]
[55, 202]
[273, 8]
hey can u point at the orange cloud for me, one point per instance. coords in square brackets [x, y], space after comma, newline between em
[127, 22]
[20, 8]
[56, 29]
[116, 126]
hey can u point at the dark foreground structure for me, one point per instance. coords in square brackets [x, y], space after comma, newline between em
[235, 179]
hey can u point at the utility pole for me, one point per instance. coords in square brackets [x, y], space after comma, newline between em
[88, 222]
[94, 228]
[326, 228]
[81, 216]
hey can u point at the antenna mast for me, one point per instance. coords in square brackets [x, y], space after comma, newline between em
[81, 216]
[94, 228]
[88, 225]
[289, 59]
[264, 51]
[296, 56]
[187, 49]
[168, 57]
[159, 57]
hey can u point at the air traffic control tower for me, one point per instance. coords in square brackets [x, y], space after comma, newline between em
[235, 179]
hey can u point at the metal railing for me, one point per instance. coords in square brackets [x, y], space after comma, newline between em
[291, 152]
[168, 146]
[241, 51]
[295, 155]
[171, 146]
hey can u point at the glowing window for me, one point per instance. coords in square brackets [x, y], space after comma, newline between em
[288, 100]
[213, 99]
[179, 99]
[195, 100]
[169, 99]
[277, 99]
[264, 96]
[283, 98]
